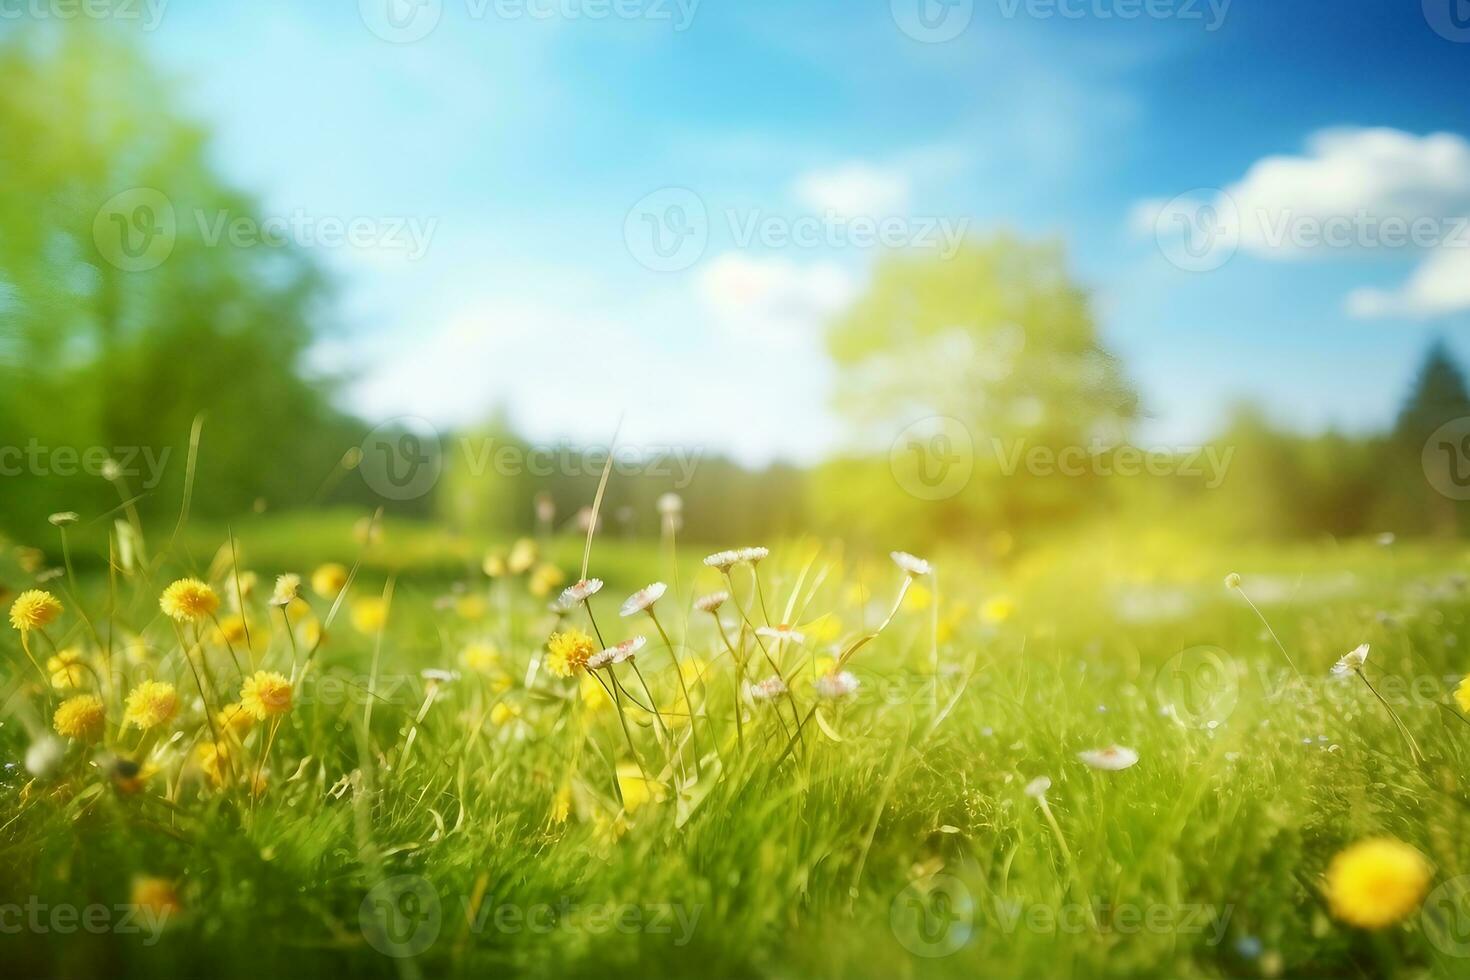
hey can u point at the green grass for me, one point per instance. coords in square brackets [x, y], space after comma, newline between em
[910, 836]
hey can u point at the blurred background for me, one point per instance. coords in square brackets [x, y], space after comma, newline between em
[980, 272]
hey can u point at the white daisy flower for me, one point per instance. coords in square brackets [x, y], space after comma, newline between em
[1037, 787]
[910, 564]
[437, 676]
[752, 555]
[1113, 757]
[616, 654]
[722, 560]
[1351, 661]
[582, 591]
[835, 686]
[709, 603]
[643, 599]
[670, 504]
[766, 690]
[782, 632]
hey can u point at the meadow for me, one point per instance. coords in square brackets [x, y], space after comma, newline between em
[418, 755]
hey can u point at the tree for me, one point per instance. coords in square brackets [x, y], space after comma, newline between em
[121, 316]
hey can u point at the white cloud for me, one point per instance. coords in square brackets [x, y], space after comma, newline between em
[1353, 191]
[1440, 285]
[854, 189]
[774, 299]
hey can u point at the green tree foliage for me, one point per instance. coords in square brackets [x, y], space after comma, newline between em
[97, 351]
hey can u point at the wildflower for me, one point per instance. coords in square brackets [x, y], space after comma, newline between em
[287, 590]
[670, 504]
[33, 609]
[504, 714]
[436, 675]
[1112, 758]
[479, 657]
[157, 896]
[1232, 581]
[636, 788]
[997, 609]
[643, 599]
[81, 718]
[753, 555]
[328, 580]
[710, 603]
[1036, 789]
[1462, 694]
[616, 654]
[234, 719]
[839, 685]
[66, 668]
[568, 652]
[369, 614]
[265, 693]
[214, 758]
[1376, 882]
[188, 600]
[44, 755]
[582, 591]
[545, 578]
[722, 560]
[1351, 661]
[766, 690]
[561, 804]
[910, 564]
[782, 632]
[522, 556]
[64, 518]
[150, 704]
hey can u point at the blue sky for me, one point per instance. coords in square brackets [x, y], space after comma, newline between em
[518, 139]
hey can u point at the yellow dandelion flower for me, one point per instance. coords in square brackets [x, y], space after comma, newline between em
[561, 804]
[636, 789]
[997, 609]
[287, 590]
[545, 580]
[328, 580]
[503, 714]
[233, 719]
[522, 556]
[214, 759]
[567, 652]
[1462, 695]
[265, 693]
[150, 704]
[33, 609]
[369, 614]
[479, 657]
[158, 896]
[188, 600]
[81, 718]
[66, 668]
[1376, 882]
